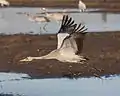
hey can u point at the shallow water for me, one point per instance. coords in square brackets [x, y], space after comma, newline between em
[12, 83]
[11, 22]
[24, 85]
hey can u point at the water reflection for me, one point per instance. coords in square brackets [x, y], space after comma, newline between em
[58, 87]
[12, 23]
[104, 17]
[2, 94]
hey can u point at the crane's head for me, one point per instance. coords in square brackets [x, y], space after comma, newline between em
[43, 9]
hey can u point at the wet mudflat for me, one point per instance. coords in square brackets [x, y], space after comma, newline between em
[102, 49]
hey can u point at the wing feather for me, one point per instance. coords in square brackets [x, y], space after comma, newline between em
[69, 47]
[73, 43]
[67, 27]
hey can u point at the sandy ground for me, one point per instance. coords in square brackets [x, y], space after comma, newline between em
[102, 49]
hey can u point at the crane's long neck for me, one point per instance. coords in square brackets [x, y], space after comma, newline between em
[45, 11]
[51, 55]
[42, 57]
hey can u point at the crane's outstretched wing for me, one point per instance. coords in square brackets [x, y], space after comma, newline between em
[67, 27]
[73, 43]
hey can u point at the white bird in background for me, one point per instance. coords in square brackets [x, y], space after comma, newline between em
[72, 43]
[81, 6]
[38, 19]
[54, 16]
[4, 3]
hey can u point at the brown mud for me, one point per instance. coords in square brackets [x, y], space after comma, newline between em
[102, 49]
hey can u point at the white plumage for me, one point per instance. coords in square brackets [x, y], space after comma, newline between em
[54, 16]
[37, 18]
[61, 37]
[70, 43]
[81, 6]
[4, 3]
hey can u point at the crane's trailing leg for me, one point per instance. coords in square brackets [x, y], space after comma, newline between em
[44, 27]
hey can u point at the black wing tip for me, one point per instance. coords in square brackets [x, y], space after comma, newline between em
[68, 22]
[80, 29]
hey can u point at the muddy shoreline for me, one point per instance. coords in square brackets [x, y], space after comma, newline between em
[102, 49]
